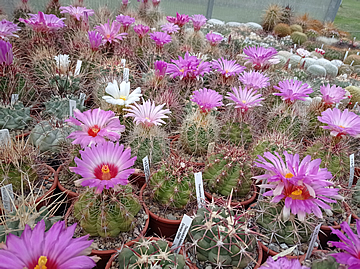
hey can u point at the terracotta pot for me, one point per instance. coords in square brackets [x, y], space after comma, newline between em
[106, 254]
[129, 244]
[20, 136]
[245, 204]
[137, 179]
[268, 252]
[70, 194]
[173, 152]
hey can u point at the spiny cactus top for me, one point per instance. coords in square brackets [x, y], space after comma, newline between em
[214, 39]
[261, 58]
[126, 21]
[350, 244]
[244, 98]
[198, 21]
[77, 12]
[180, 19]
[160, 69]
[340, 123]
[121, 96]
[148, 114]
[227, 68]
[43, 22]
[110, 32]
[292, 90]
[170, 28]
[282, 263]
[254, 80]
[160, 38]
[53, 249]
[207, 99]
[332, 95]
[97, 126]
[8, 28]
[95, 40]
[141, 30]
[303, 186]
[105, 165]
[6, 53]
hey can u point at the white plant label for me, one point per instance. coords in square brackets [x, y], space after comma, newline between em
[262, 190]
[337, 105]
[352, 170]
[72, 107]
[211, 148]
[312, 241]
[14, 99]
[4, 137]
[346, 54]
[181, 233]
[126, 75]
[355, 105]
[82, 98]
[7, 196]
[284, 253]
[78, 67]
[123, 62]
[199, 185]
[146, 168]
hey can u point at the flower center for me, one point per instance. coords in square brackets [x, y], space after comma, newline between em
[41, 263]
[296, 192]
[108, 36]
[182, 70]
[122, 97]
[289, 175]
[243, 101]
[341, 126]
[93, 131]
[105, 171]
[226, 71]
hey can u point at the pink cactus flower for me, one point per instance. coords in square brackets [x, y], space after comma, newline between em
[141, 30]
[332, 95]
[126, 21]
[95, 39]
[244, 99]
[321, 51]
[227, 68]
[180, 19]
[170, 28]
[156, 3]
[282, 263]
[160, 38]
[160, 69]
[43, 22]
[110, 32]
[207, 99]
[198, 21]
[254, 80]
[8, 28]
[77, 12]
[214, 39]
[6, 53]
[292, 90]
[261, 58]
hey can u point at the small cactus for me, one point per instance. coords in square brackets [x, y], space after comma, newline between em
[296, 28]
[328, 262]
[282, 30]
[355, 94]
[237, 133]
[272, 16]
[299, 38]
[351, 58]
[60, 107]
[15, 118]
[196, 40]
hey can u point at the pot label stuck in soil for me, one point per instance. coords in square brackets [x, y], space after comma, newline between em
[72, 107]
[352, 169]
[146, 168]
[4, 137]
[312, 241]
[7, 196]
[181, 233]
[200, 195]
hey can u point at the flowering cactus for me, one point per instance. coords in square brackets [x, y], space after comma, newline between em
[126, 21]
[141, 30]
[160, 38]
[254, 80]
[244, 99]
[332, 95]
[283, 263]
[170, 28]
[260, 57]
[180, 19]
[292, 90]
[6, 53]
[214, 39]
[77, 12]
[227, 68]
[110, 32]
[43, 22]
[121, 96]
[8, 29]
[198, 21]
[95, 40]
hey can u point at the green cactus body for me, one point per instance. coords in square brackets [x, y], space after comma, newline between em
[296, 28]
[15, 118]
[147, 252]
[198, 130]
[355, 94]
[221, 240]
[65, 84]
[327, 262]
[59, 107]
[299, 38]
[282, 30]
[196, 41]
[356, 194]
[229, 168]
[286, 124]
[237, 133]
[107, 215]
[15, 176]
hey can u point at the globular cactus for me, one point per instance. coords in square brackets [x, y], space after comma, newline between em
[173, 184]
[328, 262]
[237, 133]
[65, 84]
[356, 194]
[222, 237]
[285, 123]
[229, 169]
[282, 30]
[15, 222]
[355, 94]
[272, 16]
[15, 118]
[296, 28]
[287, 15]
[60, 107]
[316, 70]
[149, 253]
[334, 156]
[299, 38]
[107, 215]
[196, 41]
[48, 137]
[17, 174]
[351, 58]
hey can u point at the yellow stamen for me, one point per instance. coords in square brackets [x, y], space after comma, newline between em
[243, 101]
[108, 36]
[226, 71]
[182, 70]
[41, 263]
[289, 175]
[122, 97]
[297, 192]
[105, 169]
[341, 126]
[147, 118]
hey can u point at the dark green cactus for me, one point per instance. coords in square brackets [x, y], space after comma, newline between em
[227, 169]
[328, 262]
[107, 215]
[65, 84]
[298, 38]
[60, 107]
[147, 252]
[15, 118]
[220, 236]
[12, 174]
[237, 133]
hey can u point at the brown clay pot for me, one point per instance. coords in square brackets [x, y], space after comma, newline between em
[268, 252]
[70, 194]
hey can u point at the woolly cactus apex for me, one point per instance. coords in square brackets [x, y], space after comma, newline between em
[298, 38]
[355, 94]
[282, 30]
[15, 118]
[107, 215]
[196, 40]
[227, 169]
[221, 236]
[173, 183]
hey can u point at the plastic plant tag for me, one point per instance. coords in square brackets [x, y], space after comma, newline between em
[284, 253]
[337, 105]
[312, 241]
[262, 190]
[181, 233]
[82, 98]
[7, 196]
[72, 107]
[352, 170]
[146, 168]
[211, 148]
[77, 68]
[14, 99]
[355, 106]
[126, 75]
[4, 137]
[123, 62]
[199, 185]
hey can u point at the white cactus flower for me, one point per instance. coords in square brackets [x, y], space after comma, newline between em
[122, 96]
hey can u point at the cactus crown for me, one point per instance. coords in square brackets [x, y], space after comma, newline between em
[17, 117]
[59, 107]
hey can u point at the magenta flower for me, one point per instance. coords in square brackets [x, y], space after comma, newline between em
[141, 30]
[125, 2]
[160, 69]
[227, 68]
[207, 99]
[180, 19]
[110, 32]
[53, 249]
[170, 28]
[303, 186]
[77, 12]
[188, 67]
[147, 114]
[97, 125]
[126, 21]
[7, 29]
[260, 57]
[292, 90]
[104, 166]
[350, 244]
[43, 22]
[244, 98]
[321, 51]
[214, 39]
[160, 38]
[254, 80]
[198, 21]
[332, 95]
[282, 263]
[6, 53]
[340, 123]
[95, 39]
[156, 2]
